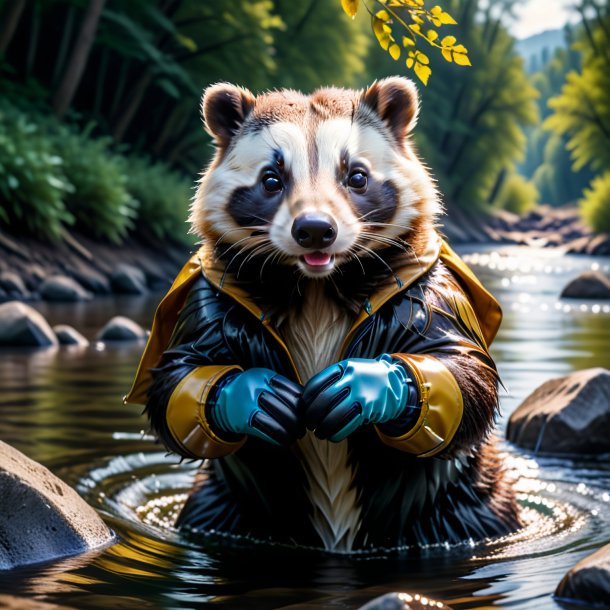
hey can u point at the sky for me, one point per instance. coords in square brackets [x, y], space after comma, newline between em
[535, 16]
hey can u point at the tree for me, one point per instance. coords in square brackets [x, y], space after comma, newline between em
[582, 110]
[78, 59]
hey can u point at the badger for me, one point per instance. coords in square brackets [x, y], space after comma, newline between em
[325, 352]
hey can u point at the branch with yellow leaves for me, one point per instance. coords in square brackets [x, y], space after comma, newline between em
[414, 17]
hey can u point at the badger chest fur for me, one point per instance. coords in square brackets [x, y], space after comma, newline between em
[324, 348]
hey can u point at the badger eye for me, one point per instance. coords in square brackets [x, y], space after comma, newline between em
[358, 180]
[272, 183]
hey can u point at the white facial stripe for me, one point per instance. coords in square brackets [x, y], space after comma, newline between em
[332, 138]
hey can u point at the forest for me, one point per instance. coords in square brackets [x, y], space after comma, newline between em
[100, 128]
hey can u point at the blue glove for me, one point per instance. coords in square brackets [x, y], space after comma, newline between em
[355, 392]
[261, 403]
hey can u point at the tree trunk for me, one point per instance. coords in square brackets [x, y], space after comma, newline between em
[76, 66]
[135, 100]
[11, 20]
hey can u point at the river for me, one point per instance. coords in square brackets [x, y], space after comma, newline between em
[63, 408]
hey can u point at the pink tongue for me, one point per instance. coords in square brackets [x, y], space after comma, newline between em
[317, 259]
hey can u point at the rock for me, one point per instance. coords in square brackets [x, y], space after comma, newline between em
[568, 415]
[127, 279]
[62, 288]
[13, 285]
[66, 335]
[588, 582]
[403, 601]
[23, 326]
[588, 285]
[577, 246]
[120, 328]
[92, 280]
[599, 245]
[41, 517]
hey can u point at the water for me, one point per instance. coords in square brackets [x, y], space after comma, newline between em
[63, 408]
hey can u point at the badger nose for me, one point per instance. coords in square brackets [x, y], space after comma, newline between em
[314, 231]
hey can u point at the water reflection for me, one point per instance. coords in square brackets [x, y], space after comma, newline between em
[63, 407]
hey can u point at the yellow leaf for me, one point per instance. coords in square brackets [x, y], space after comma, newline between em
[417, 19]
[407, 42]
[432, 35]
[410, 61]
[460, 48]
[394, 51]
[436, 10]
[422, 58]
[382, 33]
[423, 72]
[448, 41]
[447, 54]
[415, 27]
[383, 15]
[434, 21]
[461, 59]
[447, 18]
[350, 7]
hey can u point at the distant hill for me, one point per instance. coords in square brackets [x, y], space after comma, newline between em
[537, 49]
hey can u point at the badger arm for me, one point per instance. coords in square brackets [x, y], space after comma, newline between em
[192, 433]
[440, 404]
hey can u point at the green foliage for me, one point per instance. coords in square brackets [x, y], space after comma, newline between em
[336, 47]
[163, 197]
[554, 177]
[471, 128]
[582, 110]
[32, 179]
[516, 195]
[99, 201]
[595, 206]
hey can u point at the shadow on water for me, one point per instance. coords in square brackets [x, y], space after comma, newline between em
[63, 408]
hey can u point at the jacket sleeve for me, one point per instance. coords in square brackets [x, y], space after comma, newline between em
[195, 362]
[442, 347]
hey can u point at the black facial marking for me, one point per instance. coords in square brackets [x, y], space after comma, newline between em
[249, 206]
[378, 203]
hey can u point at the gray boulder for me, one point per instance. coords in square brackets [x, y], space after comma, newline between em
[588, 582]
[92, 280]
[41, 518]
[66, 335]
[120, 328]
[127, 279]
[13, 285]
[403, 601]
[588, 285]
[22, 326]
[63, 288]
[567, 415]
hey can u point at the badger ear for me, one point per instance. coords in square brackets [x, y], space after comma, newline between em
[224, 108]
[395, 100]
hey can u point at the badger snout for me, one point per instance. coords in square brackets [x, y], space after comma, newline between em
[314, 230]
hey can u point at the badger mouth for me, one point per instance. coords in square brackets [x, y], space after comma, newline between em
[317, 263]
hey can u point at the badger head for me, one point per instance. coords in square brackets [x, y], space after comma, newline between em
[314, 182]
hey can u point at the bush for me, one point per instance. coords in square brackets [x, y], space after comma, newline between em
[516, 194]
[163, 197]
[595, 206]
[100, 201]
[32, 179]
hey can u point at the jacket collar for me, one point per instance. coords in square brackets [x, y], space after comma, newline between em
[485, 306]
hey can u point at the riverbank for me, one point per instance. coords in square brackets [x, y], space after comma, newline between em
[543, 226]
[78, 267]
